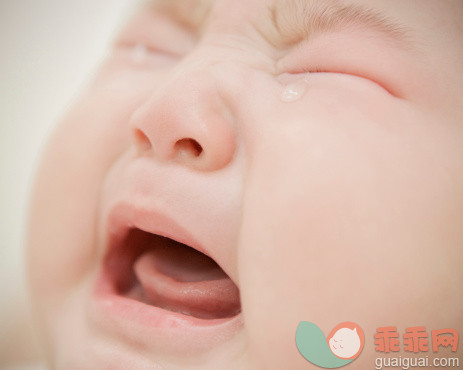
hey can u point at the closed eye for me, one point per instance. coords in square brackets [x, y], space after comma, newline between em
[320, 70]
[144, 47]
[143, 55]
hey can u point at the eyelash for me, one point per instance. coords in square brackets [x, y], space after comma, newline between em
[313, 70]
[320, 70]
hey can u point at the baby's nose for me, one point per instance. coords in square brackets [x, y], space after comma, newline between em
[186, 121]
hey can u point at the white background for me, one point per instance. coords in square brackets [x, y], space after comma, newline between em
[47, 48]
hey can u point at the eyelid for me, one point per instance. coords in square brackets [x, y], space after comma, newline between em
[350, 55]
[141, 56]
[150, 48]
[340, 71]
[158, 34]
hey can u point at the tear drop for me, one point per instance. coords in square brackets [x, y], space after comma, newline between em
[294, 91]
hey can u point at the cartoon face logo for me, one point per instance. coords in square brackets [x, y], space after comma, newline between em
[341, 347]
[345, 343]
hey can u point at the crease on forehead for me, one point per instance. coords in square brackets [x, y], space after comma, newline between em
[296, 20]
[287, 22]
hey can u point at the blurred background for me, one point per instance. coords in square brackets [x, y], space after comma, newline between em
[47, 49]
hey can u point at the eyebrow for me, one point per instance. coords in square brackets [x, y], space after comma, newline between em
[296, 20]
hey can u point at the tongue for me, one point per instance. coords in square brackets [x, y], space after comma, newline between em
[179, 278]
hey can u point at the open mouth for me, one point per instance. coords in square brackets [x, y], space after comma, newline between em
[164, 273]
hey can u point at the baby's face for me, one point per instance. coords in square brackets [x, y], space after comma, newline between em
[324, 196]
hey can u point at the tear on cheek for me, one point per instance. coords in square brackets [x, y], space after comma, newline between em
[295, 90]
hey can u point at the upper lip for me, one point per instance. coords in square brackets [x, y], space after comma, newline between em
[124, 216]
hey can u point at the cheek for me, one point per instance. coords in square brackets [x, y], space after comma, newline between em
[61, 245]
[346, 213]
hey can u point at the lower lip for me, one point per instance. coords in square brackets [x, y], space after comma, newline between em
[154, 328]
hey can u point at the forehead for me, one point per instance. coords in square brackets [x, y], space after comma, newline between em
[286, 22]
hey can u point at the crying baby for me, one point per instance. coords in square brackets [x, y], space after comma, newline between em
[237, 167]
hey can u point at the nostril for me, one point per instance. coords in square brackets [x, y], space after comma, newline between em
[189, 147]
[142, 141]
